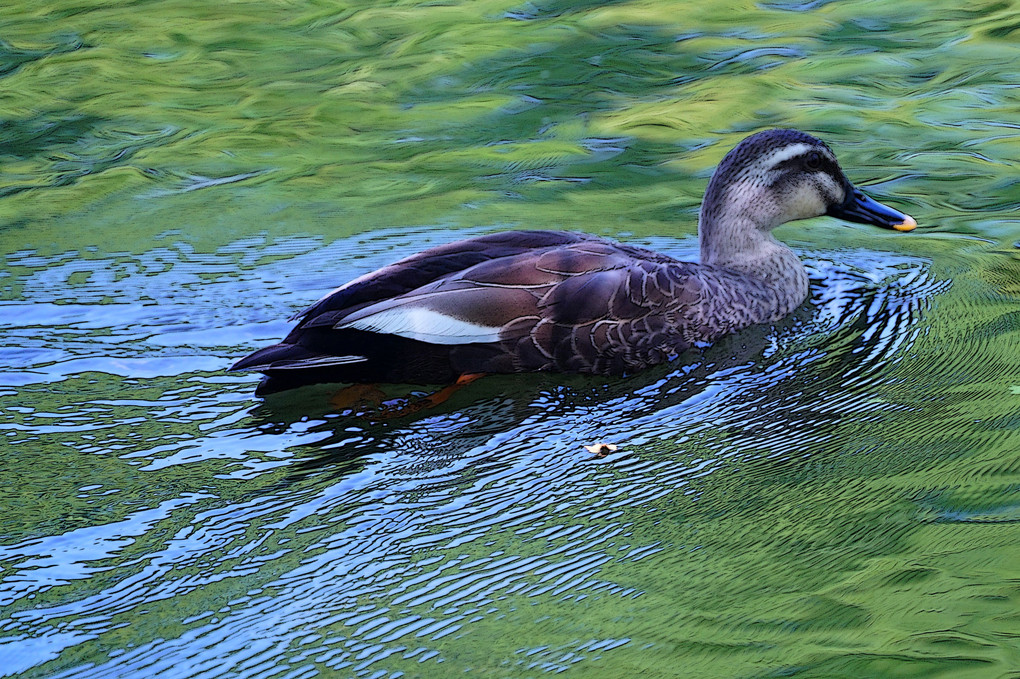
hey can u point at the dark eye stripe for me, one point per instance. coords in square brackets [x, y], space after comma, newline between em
[801, 162]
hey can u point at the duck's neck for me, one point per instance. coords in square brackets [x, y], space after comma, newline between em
[731, 240]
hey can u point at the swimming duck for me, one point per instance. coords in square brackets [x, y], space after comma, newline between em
[526, 301]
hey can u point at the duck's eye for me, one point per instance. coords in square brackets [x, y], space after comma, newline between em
[813, 160]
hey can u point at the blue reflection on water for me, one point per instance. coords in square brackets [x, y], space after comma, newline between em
[375, 541]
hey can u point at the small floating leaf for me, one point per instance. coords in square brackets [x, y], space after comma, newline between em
[601, 449]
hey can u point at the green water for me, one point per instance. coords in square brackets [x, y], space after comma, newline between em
[835, 496]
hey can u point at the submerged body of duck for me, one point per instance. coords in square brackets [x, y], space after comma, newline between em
[527, 301]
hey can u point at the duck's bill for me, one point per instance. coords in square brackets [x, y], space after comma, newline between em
[863, 210]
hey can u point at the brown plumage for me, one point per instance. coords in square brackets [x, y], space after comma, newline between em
[526, 301]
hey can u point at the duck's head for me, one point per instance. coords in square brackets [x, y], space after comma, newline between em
[778, 176]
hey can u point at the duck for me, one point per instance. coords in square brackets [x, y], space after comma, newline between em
[555, 301]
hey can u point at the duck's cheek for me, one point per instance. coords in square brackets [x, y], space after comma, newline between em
[802, 202]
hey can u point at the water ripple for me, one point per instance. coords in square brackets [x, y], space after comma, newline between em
[416, 549]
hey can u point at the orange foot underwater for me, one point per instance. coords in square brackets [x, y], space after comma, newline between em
[370, 394]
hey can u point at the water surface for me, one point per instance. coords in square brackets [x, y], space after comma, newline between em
[832, 496]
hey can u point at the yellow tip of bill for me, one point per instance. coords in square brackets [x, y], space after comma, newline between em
[908, 224]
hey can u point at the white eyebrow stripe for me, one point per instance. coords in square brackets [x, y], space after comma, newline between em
[780, 155]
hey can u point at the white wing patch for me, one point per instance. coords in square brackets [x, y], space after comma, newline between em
[422, 324]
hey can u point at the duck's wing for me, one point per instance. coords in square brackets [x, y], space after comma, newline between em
[317, 343]
[587, 306]
[421, 269]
